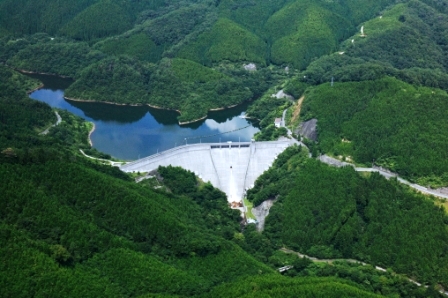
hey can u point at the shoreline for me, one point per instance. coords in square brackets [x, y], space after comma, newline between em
[192, 121]
[95, 101]
[120, 104]
[155, 107]
[225, 108]
[40, 73]
[35, 89]
[90, 134]
[124, 104]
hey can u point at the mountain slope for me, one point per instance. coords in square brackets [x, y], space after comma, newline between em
[226, 41]
[408, 41]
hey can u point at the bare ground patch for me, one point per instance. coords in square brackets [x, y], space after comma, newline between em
[296, 112]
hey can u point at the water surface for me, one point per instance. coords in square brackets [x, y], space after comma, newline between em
[128, 132]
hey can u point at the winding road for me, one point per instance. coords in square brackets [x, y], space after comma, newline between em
[111, 162]
[337, 163]
[57, 123]
[329, 261]
[283, 123]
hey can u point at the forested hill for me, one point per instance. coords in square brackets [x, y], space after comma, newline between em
[84, 19]
[385, 121]
[387, 103]
[408, 41]
[73, 228]
[150, 46]
[88, 40]
[330, 212]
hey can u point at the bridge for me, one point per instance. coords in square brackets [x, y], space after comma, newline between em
[232, 167]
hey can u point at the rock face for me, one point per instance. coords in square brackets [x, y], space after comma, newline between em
[250, 67]
[308, 129]
[282, 94]
[261, 211]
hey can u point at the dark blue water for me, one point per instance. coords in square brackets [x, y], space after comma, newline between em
[127, 132]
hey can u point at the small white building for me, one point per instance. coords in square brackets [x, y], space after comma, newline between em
[278, 122]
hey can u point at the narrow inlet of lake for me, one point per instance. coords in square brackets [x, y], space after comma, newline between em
[129, 132]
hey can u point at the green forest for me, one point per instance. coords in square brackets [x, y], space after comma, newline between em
[407, 41]
[385, 121]
[332, 212]
[102, 42]
[73, 227]
[63, 235]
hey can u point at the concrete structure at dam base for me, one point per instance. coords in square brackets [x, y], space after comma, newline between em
[231, 167]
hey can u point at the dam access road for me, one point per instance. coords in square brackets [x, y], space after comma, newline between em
[232, 167]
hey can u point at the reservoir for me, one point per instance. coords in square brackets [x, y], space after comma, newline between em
[130, 132]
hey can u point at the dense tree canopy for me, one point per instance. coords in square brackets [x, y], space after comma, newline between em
[336, 213]
[73, 227]
[386, 121]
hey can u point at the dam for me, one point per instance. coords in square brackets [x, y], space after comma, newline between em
[231, 167]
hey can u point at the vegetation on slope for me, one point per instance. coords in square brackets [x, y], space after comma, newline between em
[176, 84]
[335, 212]
[226, 40]
[278, 286]
[408, 42]
[250, 14]
[146, 31]
[139, 46]
[104, 18]
[79, 235]
[28, 17]
[312, 31]
[176, 25]
[85, 19]
[298, 31]
[111, 238]
[386, 121]
[119, 80]
[43, 54]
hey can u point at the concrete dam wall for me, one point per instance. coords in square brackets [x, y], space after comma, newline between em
[231, 167]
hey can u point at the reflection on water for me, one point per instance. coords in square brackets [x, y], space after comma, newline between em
[107, 112]
[129, 132]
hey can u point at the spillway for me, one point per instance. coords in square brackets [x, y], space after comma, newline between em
[231, 167]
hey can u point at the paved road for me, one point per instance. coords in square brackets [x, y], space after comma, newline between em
[337, 163]
[283, 123]
[57, 123]
[111, 162]
[288, 251]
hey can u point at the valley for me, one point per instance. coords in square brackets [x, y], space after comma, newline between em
[361, 86]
